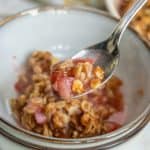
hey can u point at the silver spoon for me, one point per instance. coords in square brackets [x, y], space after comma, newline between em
[106, 52]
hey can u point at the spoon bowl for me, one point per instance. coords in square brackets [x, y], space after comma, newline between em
[102, 58]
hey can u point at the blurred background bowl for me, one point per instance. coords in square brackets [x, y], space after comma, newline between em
[140, 23]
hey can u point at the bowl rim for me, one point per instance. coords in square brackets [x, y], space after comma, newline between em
[142, 117]
[111, 8]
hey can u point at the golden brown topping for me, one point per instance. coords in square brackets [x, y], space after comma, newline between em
[78, 70]
[95, 83]
[87, 68]
[37, 109]
[85, 119]
[60, 119]
[99, 72]
[86, 106]
[46, 130]
[77, 86]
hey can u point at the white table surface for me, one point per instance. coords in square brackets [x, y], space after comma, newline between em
[139, 142]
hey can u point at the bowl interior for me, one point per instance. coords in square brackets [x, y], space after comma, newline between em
[64, 32]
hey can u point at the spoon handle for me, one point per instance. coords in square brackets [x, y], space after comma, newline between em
[116, 36]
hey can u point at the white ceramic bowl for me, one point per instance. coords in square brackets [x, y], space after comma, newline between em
[64, 31]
